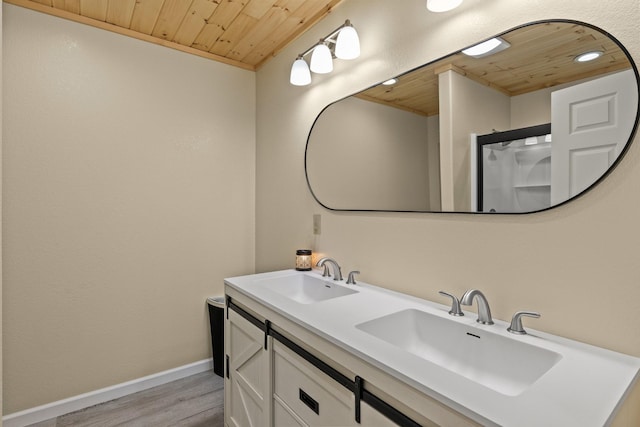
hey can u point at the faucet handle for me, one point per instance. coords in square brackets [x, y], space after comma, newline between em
[455, 304]
[516, 322]
[351, 280]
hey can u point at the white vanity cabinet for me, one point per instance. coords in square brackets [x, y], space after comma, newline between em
[280, 374]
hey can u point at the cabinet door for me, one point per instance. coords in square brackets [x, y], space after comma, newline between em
[247, 387]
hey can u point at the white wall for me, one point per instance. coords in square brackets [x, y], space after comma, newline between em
[364, 155]
[128, 197]
[433, 156]
[532, 108]
[576, 264]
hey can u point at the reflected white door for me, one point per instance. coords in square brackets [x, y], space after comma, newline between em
[591, 123]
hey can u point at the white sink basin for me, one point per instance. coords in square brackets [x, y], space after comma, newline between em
[306, 289]
[505, 365]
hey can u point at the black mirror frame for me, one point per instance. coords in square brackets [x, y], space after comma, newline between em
[594, 184]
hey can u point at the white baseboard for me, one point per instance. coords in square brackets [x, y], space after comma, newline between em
[75, 403]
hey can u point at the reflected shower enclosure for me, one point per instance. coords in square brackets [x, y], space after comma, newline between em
[514, 170]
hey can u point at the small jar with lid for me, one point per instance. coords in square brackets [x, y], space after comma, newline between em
[303, 259]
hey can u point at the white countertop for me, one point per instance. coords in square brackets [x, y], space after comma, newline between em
[583, 389]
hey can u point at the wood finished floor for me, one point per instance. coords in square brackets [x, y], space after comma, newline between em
[195, 401]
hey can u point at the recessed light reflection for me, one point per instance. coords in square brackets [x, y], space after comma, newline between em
[487, 48]
[588, 56]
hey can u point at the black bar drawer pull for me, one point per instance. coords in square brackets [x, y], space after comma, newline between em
[309, 401]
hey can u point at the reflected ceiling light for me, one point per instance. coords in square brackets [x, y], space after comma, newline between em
[390, 82]
[347, 43]
[300, 74]
[321, 59]
[487, 48]
[442, 5]
[588, 56]
[342, 43]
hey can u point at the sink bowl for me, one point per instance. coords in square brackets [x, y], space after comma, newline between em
[505, 365]
[306, 289]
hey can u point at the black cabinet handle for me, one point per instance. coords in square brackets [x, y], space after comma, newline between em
[310, 402]
[227, 365]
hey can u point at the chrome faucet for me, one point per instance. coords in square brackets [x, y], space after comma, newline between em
[484, 313]
[337, 272]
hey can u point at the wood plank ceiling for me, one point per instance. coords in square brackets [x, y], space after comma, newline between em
[540, 56]
[244, 33]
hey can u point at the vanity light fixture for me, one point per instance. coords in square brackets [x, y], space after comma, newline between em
[588, 56]
[442, 5]
[486, 48]
[343, 43]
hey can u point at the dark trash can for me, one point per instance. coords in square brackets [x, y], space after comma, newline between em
[216, 320]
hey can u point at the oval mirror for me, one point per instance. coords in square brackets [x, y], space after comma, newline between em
[519, 123]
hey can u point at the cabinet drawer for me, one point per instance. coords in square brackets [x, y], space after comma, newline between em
[313, 396]
[283, 416]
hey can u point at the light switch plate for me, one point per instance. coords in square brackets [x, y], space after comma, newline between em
[317, 224]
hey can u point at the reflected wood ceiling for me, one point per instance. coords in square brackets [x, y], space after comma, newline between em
[244, 33]
[540, 56]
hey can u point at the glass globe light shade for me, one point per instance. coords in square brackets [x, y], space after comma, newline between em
[321, 60]
[348, 43]
[300, 74]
